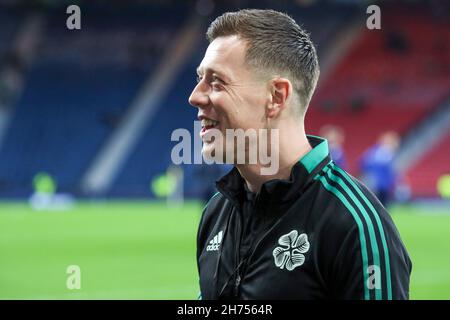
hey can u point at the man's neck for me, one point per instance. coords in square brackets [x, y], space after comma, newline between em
[289, 155]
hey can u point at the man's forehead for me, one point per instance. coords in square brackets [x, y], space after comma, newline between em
[223, 53]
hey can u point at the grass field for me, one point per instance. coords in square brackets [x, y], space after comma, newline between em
[142, 250]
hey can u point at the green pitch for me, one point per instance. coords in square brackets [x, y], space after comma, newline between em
[144, 250]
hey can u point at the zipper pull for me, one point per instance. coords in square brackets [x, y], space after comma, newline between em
[236, 285]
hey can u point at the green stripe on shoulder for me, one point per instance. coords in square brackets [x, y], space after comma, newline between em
[362, 237]
[367, 220]
[379, 225]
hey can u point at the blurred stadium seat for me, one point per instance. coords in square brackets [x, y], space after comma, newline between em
[389, 80]
[61, 106]
[81, 84]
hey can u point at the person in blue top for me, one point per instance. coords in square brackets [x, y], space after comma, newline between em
[377, 166]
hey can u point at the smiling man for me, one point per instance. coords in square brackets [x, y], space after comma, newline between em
[309, 230]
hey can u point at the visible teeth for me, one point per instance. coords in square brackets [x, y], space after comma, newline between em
[209, 123]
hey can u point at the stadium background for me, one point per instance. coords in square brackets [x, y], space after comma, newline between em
[86, 117]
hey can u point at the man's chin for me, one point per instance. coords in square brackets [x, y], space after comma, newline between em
[211, 153]
[208, 150]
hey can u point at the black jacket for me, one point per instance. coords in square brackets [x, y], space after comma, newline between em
[319, 235]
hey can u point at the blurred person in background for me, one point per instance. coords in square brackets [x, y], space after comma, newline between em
[336, 137]
[377, 167]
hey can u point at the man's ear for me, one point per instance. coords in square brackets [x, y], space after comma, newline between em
[280, 91]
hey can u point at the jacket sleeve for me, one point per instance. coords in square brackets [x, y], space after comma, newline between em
[207, 219]
[357, 276]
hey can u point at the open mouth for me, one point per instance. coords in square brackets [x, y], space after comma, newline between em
[208, 124]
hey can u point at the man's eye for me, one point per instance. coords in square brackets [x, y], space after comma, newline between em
[216, 83]
[216, 79]
[199, 79]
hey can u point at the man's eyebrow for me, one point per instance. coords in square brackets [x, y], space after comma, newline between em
[218, 72]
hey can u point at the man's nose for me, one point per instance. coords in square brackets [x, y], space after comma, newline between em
[199, 97]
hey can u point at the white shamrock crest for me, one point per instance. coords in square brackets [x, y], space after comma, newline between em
[291, 254]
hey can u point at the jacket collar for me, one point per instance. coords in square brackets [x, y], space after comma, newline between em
[275, 194]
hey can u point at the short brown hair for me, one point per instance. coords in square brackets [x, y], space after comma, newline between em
[275, 43]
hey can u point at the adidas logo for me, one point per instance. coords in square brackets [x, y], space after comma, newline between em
[214, 244]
